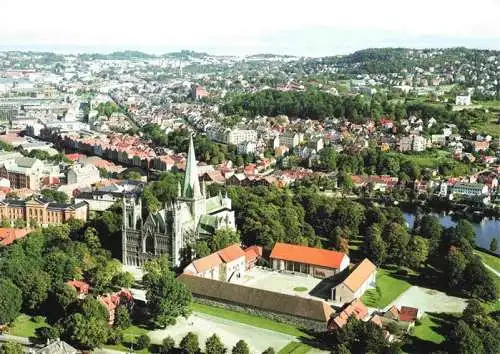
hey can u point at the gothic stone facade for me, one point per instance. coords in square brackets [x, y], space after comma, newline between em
[192, 215]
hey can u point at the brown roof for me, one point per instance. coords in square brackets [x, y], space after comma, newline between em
[231, 253]
[307, 255]
[211, 261]
[408, 314]
[392, 312]
[356, 308]
[359, 275]
[312, 309]
[9, 234]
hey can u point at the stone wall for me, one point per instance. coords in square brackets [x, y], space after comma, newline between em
[317, 326]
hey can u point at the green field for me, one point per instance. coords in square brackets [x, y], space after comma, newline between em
[490, 127]
[129, 336]
[387, 290]
[24, 326]
[295, 348]
[426, 330]
[492, 261]
[251, 320]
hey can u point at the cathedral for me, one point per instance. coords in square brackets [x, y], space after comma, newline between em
[192, 215]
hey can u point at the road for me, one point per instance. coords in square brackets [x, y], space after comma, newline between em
[491, 269]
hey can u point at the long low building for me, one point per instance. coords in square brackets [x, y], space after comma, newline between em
[42, 212]
[317, 262]
[306, 313]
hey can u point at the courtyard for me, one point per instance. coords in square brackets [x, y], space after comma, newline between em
[288, 283]
[229, 332]
[429, 300]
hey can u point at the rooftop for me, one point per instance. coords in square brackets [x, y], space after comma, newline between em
[307, 255]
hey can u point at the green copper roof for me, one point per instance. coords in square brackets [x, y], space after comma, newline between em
[191, 183]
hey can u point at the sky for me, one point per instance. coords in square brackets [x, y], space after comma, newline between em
[309, 28]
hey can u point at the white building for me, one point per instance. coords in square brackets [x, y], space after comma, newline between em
[354, 286]
[238, 136]
[228, 264]
[290, 139]
[470, 189]
[438, 139]
[463, 100]
[83, 174]
[248, 147]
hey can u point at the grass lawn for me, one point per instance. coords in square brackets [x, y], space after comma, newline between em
[492, 261]
[251, 320]
[300, 288]
[23, 326]
[490, 127]
[427, 330]
[430, 333]
[129, 336]
[388, 289]
[295, 348]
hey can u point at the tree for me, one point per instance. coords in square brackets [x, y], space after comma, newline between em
[464, 341]
[122, 317]
[430, 227]
[477, 282]
[123, 280]
[223, 238]
[269, 350]
[143, 341]
[11, 348]
[455, 264]
[213, 345]
[396, 238]
[167, 345]
[465, 230]
[93, 308]
[418, 251]
[10, 301]
[91, 239]
[47, 333]
[201, 249]
[19, 223]
[167, 298]
[55, 196]
[65, 295]
[35, 289]
[241, 347]
[88, 331]
[493, 245]
[189, 344]
[375, 247]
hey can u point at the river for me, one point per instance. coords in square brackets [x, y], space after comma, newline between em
[486, 230]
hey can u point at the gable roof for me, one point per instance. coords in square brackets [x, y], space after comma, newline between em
[231, 253]
[408, 314]
[307, 255]
[356, 308]
[265, 300]
[359, 275]
[211, 261]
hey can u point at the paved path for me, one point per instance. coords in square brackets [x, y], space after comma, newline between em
[228, 331]
[429, 300]
[492, 270]
[10, 338]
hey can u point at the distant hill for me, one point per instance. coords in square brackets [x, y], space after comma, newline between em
[184, 54]
[122, 55]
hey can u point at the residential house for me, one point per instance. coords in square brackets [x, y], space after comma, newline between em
[83, 174]
[354, 286]
[355, 308]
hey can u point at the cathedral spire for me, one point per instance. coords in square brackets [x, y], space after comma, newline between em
[191, 183]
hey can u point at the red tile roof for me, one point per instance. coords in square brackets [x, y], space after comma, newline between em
[356, 308]
[408, 314]
[80, 286]
[252, 253]
[231, 253]
[360, 275]
[10, 234]
[307, 255]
